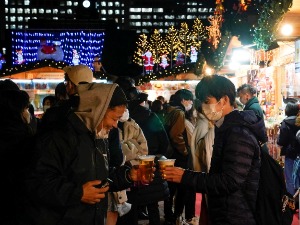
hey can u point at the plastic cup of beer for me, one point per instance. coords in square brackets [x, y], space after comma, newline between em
[146, 168]
[163, 163]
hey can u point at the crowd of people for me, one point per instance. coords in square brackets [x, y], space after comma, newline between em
[54, 166]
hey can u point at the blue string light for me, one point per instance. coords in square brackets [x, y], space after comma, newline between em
[87, 43]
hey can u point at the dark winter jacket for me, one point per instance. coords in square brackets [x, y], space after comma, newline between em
[253, 104]
[232, 182]
[69, 156]
[157, 141]
[153, 129]
[16, 150]
[287, 138]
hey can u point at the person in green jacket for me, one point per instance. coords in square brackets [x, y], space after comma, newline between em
[247, 95]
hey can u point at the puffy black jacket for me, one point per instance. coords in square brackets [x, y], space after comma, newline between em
[67, 158]
[232, 182]
[287, 138]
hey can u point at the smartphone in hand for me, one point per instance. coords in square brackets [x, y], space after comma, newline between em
[104, 183]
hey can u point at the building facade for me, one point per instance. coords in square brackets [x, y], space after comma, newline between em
[139, 15]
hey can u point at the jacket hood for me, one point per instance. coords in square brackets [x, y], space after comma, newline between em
[249, 119]
[290, 121]
[93, 103]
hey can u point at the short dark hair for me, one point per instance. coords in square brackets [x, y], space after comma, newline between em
[118, 98]
[291, 109]
[60, 90]
[51, 98]
[247, 88]
[182, 94]
[215, 86]
[8, 84]
[156, 106]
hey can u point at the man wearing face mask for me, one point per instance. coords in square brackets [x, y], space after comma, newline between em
[247, 95]
[232, 182]
[180, 150]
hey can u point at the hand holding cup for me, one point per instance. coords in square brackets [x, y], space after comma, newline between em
[163, 163]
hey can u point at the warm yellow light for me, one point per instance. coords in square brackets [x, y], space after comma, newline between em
[286, 29]
[208, 71]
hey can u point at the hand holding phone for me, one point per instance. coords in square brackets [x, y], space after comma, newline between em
[104, 183]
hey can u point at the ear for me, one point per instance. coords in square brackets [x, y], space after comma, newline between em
[226, 100]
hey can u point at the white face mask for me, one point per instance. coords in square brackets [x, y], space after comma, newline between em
[210, 111]
[188, 107]
[45, 107]
[103, 133]
[26, 116]
[125, 116]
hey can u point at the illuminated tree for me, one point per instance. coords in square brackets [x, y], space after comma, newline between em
[172, 43]
[142, 46]
[185, 41]
[198, 33]
[156, 46]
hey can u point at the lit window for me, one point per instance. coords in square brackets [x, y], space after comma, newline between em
[110, 12]
[123, 12]
[135, 10]
[55, 18]
[41, 11]
[13, 19]
[34, 18]
[6, 18]
[20, 26]
[103, 12]
[27, 11]
[103, 18]
[117, 4]
[103, 3]
[27, 18]
[34, 11]
[62, 3]
[117, 12]
[6, 2]
[62, 12]
[69, 11]
[69, 3]
[146, 9]
[158, 10]
[55, 11]
[26, 26]
[110, 4]
[116, 20]
[6, 10]
[19, 10]
[75, 3]
[26, 2]
[6, 26]
[135, 17]
[12, 10]
[20, 18]
[203, 10]
[48, 11]
[190, 17]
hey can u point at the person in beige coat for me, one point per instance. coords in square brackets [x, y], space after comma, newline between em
[201, 150]
[133, 144]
